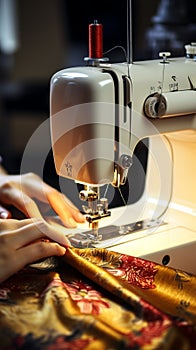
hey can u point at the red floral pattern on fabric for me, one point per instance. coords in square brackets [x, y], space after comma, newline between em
[56, 282]
[136, 271]
[60, 343]
[138, 325]
[88, 299]
[146, 335]
[151, 313]
[157, 324]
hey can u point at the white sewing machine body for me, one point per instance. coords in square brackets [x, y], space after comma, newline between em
[101, 110]
[98, 116]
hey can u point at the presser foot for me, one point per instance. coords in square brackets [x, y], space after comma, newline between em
[110, 235]
[93, 221]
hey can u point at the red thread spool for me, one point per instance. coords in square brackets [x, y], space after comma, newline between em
[95, 40]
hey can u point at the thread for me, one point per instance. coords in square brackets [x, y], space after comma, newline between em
[95, 40]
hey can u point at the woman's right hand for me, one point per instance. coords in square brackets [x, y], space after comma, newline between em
[23, 192]
[25, 241]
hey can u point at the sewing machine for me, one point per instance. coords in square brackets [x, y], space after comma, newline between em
[100, 113]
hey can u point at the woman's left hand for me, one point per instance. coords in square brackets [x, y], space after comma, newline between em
[25, 241]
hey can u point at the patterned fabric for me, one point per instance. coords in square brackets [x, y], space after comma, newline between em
[94, 299]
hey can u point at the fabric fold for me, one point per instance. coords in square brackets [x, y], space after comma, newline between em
[95, 299]
[130, 278]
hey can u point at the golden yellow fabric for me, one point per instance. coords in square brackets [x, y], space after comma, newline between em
[97, 299]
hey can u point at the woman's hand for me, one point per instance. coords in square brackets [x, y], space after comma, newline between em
[25, 241]
[25, 191]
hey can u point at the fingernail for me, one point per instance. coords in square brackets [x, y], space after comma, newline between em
[63, 250]
[81, 217]
[4, 215]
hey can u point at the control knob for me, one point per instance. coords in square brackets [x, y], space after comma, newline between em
[155, 106]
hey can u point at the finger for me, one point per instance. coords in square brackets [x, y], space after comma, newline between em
[30, 254]
[4, 213]
[39, 250]
[22, 202]
[56, 233]
[68, 213]
[34, 186]
[11, 225]
[53, 220]
[78, 216]
[33, 231]
[24, 235]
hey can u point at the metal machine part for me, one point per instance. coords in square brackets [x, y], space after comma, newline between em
[112, 233]
[191, 51]
[96, 209]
